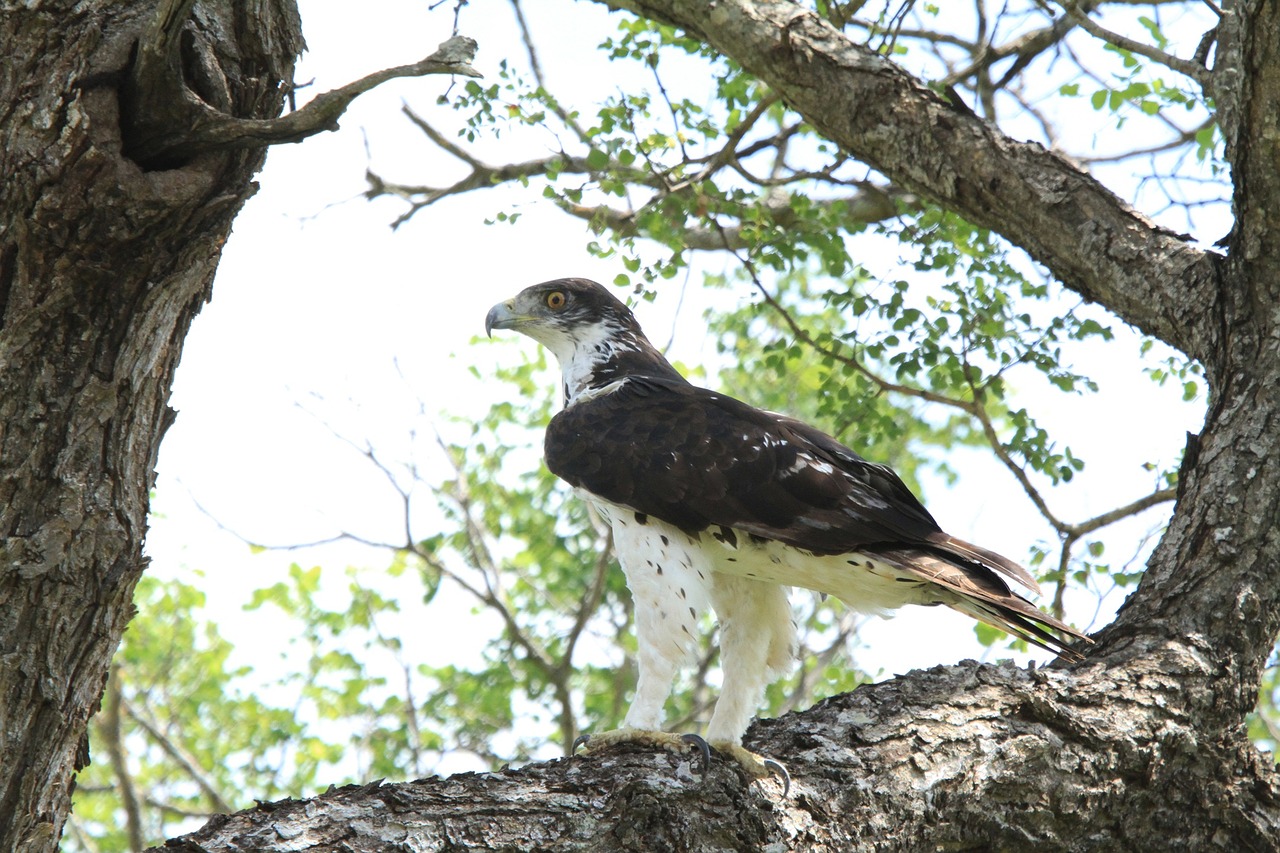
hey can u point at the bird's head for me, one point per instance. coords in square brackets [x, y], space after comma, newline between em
[563, 314]
[572, 317]
[592, 334]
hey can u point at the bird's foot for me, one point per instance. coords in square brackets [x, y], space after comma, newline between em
[756, 766]
[663, 740]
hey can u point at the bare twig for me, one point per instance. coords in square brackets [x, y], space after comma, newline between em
[176, 811]
[536, 66]
[1133, 508]
[166, 122]
[872, 204]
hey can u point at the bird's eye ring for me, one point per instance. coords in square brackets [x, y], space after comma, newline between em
[556, 300]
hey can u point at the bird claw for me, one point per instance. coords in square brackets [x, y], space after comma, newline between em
[757, 766]
[664, 740]
[777, 768]
[705, 748]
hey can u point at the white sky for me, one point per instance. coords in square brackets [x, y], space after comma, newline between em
[316, 296]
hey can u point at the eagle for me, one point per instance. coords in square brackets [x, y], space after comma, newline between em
[715, 504]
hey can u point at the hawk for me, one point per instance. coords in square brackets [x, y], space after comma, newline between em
[716, 504]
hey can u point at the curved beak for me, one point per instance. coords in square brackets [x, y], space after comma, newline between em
[500, 316]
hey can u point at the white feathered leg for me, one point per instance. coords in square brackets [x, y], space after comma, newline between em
[670, 584]
[757, 646]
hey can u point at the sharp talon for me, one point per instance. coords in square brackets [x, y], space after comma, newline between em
[777, 769]
[580, 740]
[703, 747]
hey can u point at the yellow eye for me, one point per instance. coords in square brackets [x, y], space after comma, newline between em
[555, 300]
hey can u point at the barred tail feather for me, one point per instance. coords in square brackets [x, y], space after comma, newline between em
[1023, 620]
[969, 579]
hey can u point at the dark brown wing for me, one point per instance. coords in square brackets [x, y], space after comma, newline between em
[695, 458]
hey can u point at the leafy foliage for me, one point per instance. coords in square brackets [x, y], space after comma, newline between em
[188, 733]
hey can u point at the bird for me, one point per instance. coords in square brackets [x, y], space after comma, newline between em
[717, 505]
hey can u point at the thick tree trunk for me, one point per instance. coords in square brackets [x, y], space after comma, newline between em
[1140, 747]
[103, 264]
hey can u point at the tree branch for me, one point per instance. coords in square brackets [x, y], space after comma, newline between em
[109, 726]
[935, 731]
[870, 204]
[1025, 48]
[1091, 240]
[166, 123]
[1190, 69]
[184, 759]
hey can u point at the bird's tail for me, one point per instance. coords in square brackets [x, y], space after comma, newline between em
[964, 578]
[1025, 621]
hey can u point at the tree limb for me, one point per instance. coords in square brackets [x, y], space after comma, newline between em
[109, 726]
[1186, 67]
[965, 734]
[1091, 240]
[166, 123]
[869, 204]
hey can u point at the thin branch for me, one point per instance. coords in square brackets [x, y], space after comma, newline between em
[591, 601]
[176, 811]
[443, 141]
[112, 732]
[1019, 474]
[166, 122]
[189, 764]
[676, 133]
[1025, 47]
[1181, 138]
[1196, 72]
[880, 382]
[493, 595]
[1111, 517]
[84, 839]
[729, 151]
[534, 64]
[870, 205]
[1058, 607]
[291, 546]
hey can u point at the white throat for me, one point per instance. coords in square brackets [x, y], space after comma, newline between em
[581, 354]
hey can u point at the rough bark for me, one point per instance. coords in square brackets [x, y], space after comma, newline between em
[956, 758]
[1142, 746]
[129, 136]
[103, 264]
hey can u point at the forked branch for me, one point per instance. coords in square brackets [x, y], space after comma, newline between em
[166, 123]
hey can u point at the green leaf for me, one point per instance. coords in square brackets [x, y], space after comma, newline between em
[597, 160]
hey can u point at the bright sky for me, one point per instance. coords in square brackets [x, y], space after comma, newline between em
[317, 299]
